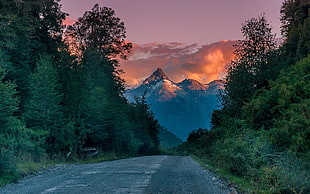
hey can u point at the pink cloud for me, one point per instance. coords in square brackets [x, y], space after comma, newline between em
[179, 61]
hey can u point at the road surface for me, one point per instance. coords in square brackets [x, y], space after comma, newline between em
[148, 174]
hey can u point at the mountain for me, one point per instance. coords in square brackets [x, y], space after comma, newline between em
[190, 84]
[157, 87]
[179, 107]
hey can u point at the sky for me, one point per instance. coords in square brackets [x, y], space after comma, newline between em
[179, 61]
[181, 27]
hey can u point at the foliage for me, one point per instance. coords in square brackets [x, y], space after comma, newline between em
[100, 29]
[284, 108]
[144, 119]
[14, 137]
[261, 134]
[295, 27]
[29, 29]
[43, 112]
[8, 105]
[248, 69]
[53, 103]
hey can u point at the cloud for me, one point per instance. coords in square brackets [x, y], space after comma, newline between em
[179, 61]
[174, 49]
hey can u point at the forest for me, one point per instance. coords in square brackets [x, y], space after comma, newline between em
[260, 137]
[61, 90]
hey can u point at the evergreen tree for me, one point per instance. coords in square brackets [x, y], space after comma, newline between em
[14, 137]
[43, 111]
[105, 107]
[99, 118]
[100, 36]
[146, 127]
[295, 18]
[29, 28]
[8, 107]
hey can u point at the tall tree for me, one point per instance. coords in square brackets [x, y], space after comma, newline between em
[97, 100]
[101, 36]
[43, 111]
[112, 124]
[14, 137]
[29, 28]
[247, 70]
[295, 18]
[146, 127]
[104, 105]
[101, 29]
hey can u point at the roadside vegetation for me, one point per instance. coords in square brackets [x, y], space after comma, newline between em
[260, 138]
[61, 91]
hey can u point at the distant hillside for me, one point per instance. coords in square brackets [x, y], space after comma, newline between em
[168, 139]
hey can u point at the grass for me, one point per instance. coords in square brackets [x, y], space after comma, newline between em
[241, 184]
[29, 167]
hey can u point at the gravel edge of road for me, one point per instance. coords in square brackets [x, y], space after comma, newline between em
[233, 189]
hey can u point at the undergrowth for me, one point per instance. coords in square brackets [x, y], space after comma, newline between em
[28, 166]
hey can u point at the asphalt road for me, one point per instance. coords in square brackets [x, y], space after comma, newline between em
[148, 174]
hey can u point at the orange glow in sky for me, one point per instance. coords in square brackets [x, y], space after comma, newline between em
[179, 61]
[184, 38]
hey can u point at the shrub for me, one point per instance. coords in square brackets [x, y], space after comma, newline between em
[7, 165]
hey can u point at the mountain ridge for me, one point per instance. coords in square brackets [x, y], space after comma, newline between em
[179, 107]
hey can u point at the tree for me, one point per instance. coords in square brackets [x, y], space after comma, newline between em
[96, 100]
[43, 111]
[247, 70]
[104, 106]
[100, 29]
[293, 13]
[29, 28]
[15, 139]
[146, 127]
[8, 106]
[284, 108]
[101, 36]
[295, 18]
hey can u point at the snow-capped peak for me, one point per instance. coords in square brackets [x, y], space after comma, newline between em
[158, 75]
[191, 84]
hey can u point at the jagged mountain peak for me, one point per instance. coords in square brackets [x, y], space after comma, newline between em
[192, 84]
[218, 82]
[157, 75]
[180, 107]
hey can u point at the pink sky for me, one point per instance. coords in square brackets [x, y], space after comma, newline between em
[184, 37]
[179, 61]
[185, 21]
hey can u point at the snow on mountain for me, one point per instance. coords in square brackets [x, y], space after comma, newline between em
[190, 84]
[179, 107]
[158, 75]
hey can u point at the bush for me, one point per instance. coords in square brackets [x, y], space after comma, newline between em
[244, 154]
[294, 173]
[7, 166]
[252, 156]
